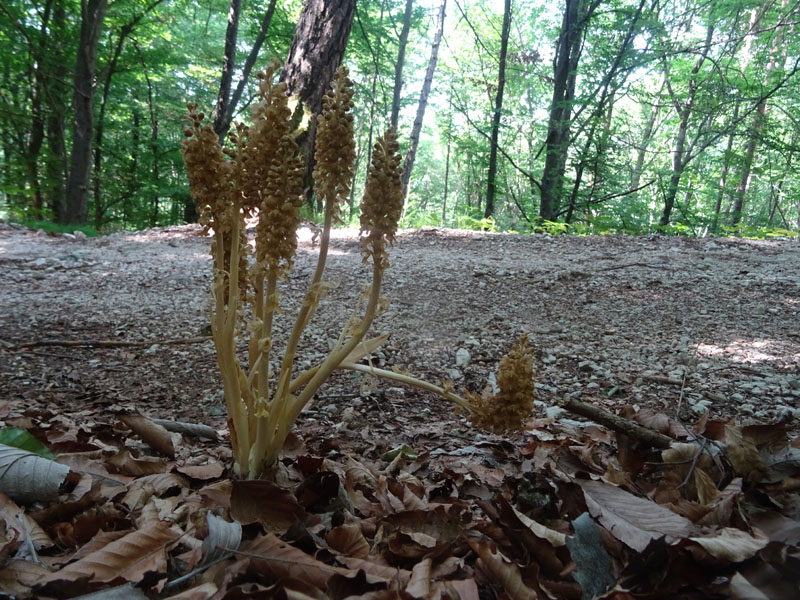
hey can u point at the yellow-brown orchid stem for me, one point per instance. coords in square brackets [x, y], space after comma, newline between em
[309, 302]
[338, 355]
[412, 381]
[224, 343]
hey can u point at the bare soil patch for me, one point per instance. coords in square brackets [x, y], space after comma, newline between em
[678, 325]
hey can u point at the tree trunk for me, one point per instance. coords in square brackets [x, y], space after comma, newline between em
[754, 133]
[679, 162]
[446, 180]
[56, 162]
[92, 15]
[647, 136]
[248, 68]
[413, 142]
[228, 65]
[36, 137]
[557, 142]
[151, 105]
[498, 110]
[374, 101]
[398, 68]
[723, 179]
[317, 48]
[110, 70]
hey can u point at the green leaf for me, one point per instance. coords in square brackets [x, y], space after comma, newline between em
[405, 450]
[19, 438]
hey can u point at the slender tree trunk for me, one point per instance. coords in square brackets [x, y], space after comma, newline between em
[99, 209]
[317, 48]
[678, 164]
[446, 180]
[647, 136]
[723, 179]
[249, 62]
[37, 131]
[398, 68]
[374, 101]
[556, 144]
[498, 110]
[413, 142]
[754, 133]
[92, 15]
[151, 105]
[133, 173]
[110, 70]
[56, 164]
[228, 66]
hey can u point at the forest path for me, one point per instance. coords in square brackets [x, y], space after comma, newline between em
[616, 320]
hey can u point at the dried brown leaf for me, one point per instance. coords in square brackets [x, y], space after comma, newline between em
[155, 436]
[268, 554]
[223, 537]
[123, 462]
[200, 592]
[632, 520]
[420, 584]
[707, 490]
[17, 520]
[502, 570]
[348, 540]
[732, 544]
[743, 454]
[261, 501]
[202, 472]
[128, 558]
[27, 477]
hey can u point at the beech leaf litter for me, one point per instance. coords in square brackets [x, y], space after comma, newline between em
[116, 470]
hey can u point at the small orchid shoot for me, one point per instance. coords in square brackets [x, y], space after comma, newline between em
[259, 174]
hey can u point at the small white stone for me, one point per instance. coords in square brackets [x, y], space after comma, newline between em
[462, 357]
[455, 374]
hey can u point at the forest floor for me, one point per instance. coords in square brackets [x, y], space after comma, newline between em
[678, 325]
[692, 329]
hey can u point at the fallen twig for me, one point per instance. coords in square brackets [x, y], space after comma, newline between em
[663, 379]
[111, 343]
[617, 423]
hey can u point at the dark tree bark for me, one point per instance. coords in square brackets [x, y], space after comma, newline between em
[56, 165]
[249, 62]
[92, 15]
[498, 110]
[413, 142]
[565, 64]
[401, 59]
[228, 65]
[317, 48]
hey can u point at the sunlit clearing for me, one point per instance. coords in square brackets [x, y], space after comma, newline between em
[745, 351]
